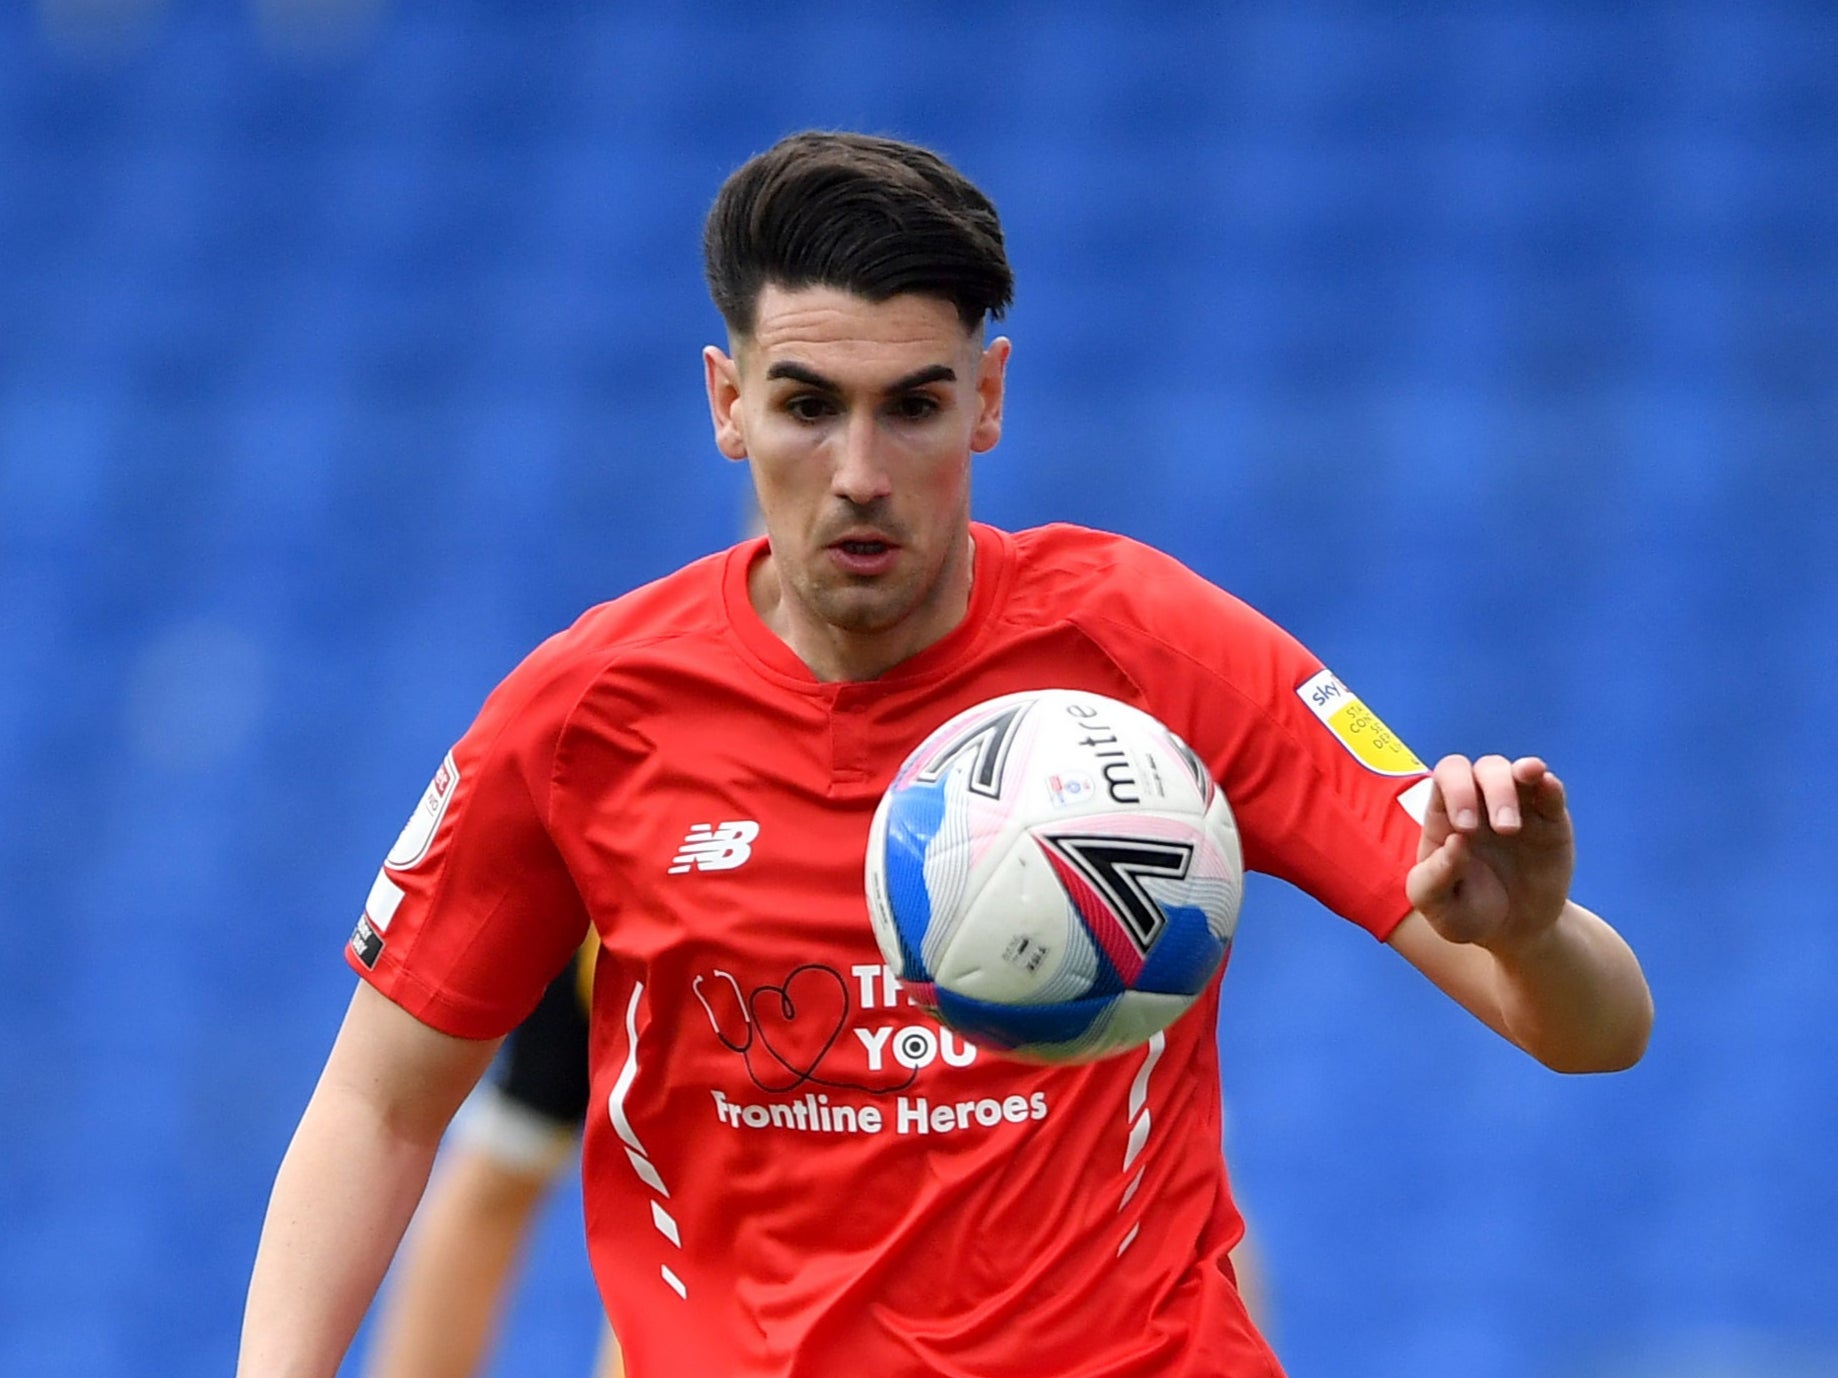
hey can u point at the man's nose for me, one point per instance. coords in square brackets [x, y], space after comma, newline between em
[861, 473]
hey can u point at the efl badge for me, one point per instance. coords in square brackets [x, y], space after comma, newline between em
[1357, 728]
[418, 833]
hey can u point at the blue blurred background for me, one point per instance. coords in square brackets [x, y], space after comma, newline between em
[348, 347]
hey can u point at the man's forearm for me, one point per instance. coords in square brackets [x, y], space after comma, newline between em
[1574, 996]
[342, 1199]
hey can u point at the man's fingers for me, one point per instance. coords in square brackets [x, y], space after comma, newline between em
[1499, 792]
[1548, 799]
[1432, 880]
[1493, 793]
[1529, 770]
[1455, 783]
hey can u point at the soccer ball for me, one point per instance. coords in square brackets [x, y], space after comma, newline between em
[1054, 875]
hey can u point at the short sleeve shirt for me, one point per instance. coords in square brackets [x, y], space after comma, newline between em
[790, 1171]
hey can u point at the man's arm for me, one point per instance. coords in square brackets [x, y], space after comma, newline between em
[349, 1183]
[1495, 928]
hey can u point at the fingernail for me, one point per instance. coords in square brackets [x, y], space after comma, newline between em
[1509, 818]
[1467, 818]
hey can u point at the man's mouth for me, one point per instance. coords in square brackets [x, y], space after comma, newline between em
[864, 556]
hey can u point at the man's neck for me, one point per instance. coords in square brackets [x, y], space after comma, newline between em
[840, 655]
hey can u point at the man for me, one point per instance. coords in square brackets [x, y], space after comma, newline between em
[691, 769]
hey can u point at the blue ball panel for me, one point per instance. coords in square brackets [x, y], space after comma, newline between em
[1185, 956]
[1107, 981]
[913, 818]
[1017, 1026]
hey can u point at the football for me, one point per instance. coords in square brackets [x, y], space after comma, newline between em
[1054, 875]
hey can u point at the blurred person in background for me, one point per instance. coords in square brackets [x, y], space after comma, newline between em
[507, 1147]
[776, 686]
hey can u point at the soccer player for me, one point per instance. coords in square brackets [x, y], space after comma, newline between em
[787, 1170]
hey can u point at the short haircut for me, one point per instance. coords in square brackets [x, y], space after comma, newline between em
[871, 216]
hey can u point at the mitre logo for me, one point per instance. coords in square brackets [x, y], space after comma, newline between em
[716, 846]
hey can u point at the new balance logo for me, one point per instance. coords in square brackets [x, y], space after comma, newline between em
[716, 846]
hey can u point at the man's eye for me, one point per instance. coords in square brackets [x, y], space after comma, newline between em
[808, 407]
[915, 407]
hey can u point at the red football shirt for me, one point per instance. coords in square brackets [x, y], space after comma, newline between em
[788, 1170]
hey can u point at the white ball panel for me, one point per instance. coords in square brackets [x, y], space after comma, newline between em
[1020, 942]
[1222, 827]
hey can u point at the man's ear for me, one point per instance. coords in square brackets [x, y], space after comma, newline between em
[722, 376]
[991, 380]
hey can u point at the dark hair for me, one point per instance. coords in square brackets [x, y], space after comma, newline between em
[871, 216]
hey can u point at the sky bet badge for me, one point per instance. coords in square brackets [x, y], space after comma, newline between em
[1374, 745]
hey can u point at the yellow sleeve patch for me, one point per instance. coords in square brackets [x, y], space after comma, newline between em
[1357, 728]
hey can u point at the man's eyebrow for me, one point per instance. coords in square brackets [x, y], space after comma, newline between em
[918, 378]
[799, 374]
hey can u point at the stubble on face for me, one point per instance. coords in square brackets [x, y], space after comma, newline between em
[865, 604]
[861, 419]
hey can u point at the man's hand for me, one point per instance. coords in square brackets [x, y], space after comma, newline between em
[1497, 853]
[1494, 925]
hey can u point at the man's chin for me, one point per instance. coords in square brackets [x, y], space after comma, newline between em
[862, 611]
